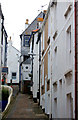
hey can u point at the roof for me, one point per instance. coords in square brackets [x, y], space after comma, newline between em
[16, 49]
[33, 25]
[28, 61]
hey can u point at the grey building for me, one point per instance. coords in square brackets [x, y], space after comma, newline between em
[25, 46]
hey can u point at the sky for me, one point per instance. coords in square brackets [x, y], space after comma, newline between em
[15, 14]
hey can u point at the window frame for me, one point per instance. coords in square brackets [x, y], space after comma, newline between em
[14, 77]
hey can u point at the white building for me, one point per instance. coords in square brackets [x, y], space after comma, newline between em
[34, 52]
[13, 59]
[63, 52]
[35, 66]
[61, 33]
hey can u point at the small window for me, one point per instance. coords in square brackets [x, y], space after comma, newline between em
[37, 25]
[55, 35]
[68, 10]
[26, 67]
[26, 41]
[14, 75]
[69, 38]
[55, 86]
[48, 85]
[55, 49]
[60, 81]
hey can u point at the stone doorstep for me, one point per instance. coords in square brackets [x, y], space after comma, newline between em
[40, 115]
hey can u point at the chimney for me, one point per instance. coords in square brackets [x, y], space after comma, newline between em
[10, 41]
[26, 23]
[44, 11]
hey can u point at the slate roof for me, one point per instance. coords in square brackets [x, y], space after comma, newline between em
[33, 25]
[28, 61]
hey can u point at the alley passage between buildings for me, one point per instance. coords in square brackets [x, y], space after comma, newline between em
[24, 107]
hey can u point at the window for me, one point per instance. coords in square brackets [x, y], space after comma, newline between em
[69, 39]
[55, 35]
[55, 86]
[55, 49]
[48, 85]
[37, 25]
[26, 67]
[42, 88]
[60, 81]
[14, 75]
[26, 41]
[55, 107]
[68, 10]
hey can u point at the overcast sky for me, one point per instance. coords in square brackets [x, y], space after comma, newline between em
[16, 12]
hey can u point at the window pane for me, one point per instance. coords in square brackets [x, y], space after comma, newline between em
[26, 40]
[26, 67]
[14, 75]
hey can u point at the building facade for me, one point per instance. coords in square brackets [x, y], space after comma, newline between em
[45, 68]
[63, 52]
[13, 63]
[35, 48]
[58, 61]
[26, 47]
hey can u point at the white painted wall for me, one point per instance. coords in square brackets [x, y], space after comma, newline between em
[61, 99]
[62, 61]
[12, 62]
[35, 67]
[26, 72]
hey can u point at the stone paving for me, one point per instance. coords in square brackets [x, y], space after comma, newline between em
[24, 107]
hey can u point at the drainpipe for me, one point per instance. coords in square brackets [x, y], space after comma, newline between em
[75, 63]
[32, 58]
[39, 67]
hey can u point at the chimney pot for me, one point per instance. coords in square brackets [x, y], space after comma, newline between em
[26, 21]
[45, 11]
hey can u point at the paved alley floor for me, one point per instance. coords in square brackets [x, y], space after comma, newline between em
[24, 107]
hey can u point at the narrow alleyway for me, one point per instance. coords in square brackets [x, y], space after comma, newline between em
[24, 107]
